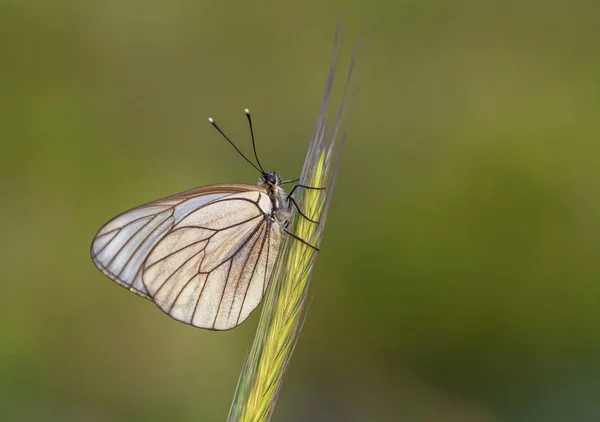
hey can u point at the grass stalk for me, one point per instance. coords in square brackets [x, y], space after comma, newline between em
[285, 304]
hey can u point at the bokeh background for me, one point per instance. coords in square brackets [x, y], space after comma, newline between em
[459, 276]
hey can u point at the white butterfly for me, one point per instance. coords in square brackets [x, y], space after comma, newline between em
[204, 256]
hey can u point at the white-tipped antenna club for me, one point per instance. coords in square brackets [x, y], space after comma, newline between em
[246, 111]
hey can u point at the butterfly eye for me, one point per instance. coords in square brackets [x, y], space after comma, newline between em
[272, 179]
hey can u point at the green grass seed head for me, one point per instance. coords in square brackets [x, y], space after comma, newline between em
[284, 307]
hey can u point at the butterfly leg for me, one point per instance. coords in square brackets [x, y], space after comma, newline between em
[298, 238]
[291, 200]
[285, 182]
[303, 187]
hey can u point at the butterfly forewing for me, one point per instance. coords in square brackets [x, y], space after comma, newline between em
[204, 256]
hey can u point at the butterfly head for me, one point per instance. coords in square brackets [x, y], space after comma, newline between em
[270, 180]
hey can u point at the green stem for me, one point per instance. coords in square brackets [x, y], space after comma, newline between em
[284, 306]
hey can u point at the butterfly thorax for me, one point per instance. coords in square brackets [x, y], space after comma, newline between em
[271, 182]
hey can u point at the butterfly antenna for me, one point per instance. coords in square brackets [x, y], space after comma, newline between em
[212, 122]
[253, 143]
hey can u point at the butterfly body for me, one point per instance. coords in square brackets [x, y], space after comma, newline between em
[271, 183]
[204, 256]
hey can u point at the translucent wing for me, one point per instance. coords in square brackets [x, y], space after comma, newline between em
[205, 256]
[121, 245]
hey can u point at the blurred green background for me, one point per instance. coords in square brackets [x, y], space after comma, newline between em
[458, 279]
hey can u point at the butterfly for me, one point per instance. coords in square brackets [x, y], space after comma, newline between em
[204, 256]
